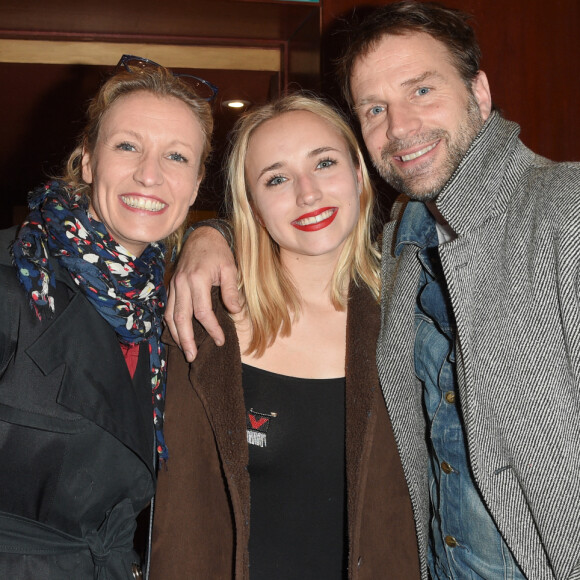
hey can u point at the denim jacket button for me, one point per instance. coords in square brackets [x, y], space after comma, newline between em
[450, 397]
[451, 541]
[446, 467]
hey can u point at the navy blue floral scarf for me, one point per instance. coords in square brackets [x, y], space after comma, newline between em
[127, 292]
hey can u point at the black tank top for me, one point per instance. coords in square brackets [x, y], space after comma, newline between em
[296, 437]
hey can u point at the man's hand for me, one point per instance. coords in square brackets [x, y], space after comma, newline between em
[205, 261]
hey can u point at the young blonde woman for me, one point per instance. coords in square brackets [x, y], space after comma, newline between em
[284, 464]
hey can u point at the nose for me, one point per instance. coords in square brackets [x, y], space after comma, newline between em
[403, 121]
[307, 191]
[149, 171]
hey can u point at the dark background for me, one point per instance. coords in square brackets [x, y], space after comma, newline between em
[531, 56]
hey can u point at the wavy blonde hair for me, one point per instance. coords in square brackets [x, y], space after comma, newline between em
[158, 81]
[271, 299]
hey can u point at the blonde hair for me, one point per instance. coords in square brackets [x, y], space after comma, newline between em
[271, 299]
[158, 81]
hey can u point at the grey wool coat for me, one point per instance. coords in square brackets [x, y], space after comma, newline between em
[513, 276]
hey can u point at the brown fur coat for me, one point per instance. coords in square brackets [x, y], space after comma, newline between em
[202, 512]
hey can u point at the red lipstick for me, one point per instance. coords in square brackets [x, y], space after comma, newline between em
[316, 220]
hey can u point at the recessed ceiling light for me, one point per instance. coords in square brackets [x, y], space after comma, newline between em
[236, 104]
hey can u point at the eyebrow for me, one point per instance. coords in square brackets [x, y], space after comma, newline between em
[405, 84]
[310, 154]
[320, 150]
[421, 78]
[116, 133]
[272, 167]
[121, 133]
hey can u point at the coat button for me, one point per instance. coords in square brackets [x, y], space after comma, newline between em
[450, 397]
[359, 562]
[446, 467]
[451, 541]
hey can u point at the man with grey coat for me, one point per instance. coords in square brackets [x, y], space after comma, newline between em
[479, 352]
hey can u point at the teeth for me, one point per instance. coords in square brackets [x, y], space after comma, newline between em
[412, 156]
[143, 203]
[315, 219]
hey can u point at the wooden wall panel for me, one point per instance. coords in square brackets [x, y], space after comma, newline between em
[203, 19]
[303, 53]
[531, 54]
[53, 57]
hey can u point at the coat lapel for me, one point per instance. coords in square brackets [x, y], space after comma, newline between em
[96, 383]
[223, 397]
[223, 400]
[363, 321]
[402, 391]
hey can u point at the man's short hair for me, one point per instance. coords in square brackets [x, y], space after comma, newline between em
[446, 25]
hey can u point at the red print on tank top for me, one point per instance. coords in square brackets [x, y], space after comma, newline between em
[257, 425]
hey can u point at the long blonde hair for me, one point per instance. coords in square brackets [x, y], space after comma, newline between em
[271, 299]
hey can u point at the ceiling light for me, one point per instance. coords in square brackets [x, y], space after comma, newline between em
[236, 104]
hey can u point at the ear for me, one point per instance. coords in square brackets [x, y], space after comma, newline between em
[258, 217]
[195, 190]
[255, 212]
[480, 88]
[359, 180]
[357, 166]
[87, 170]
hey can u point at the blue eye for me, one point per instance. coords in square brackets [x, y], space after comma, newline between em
[376, 110]
[276, 180]
[423, 91]
[177, 157]
[125, 146]
[325, 163]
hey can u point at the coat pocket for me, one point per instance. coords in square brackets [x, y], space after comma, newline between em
[33, 420]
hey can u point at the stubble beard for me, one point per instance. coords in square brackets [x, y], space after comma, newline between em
[412, 182]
